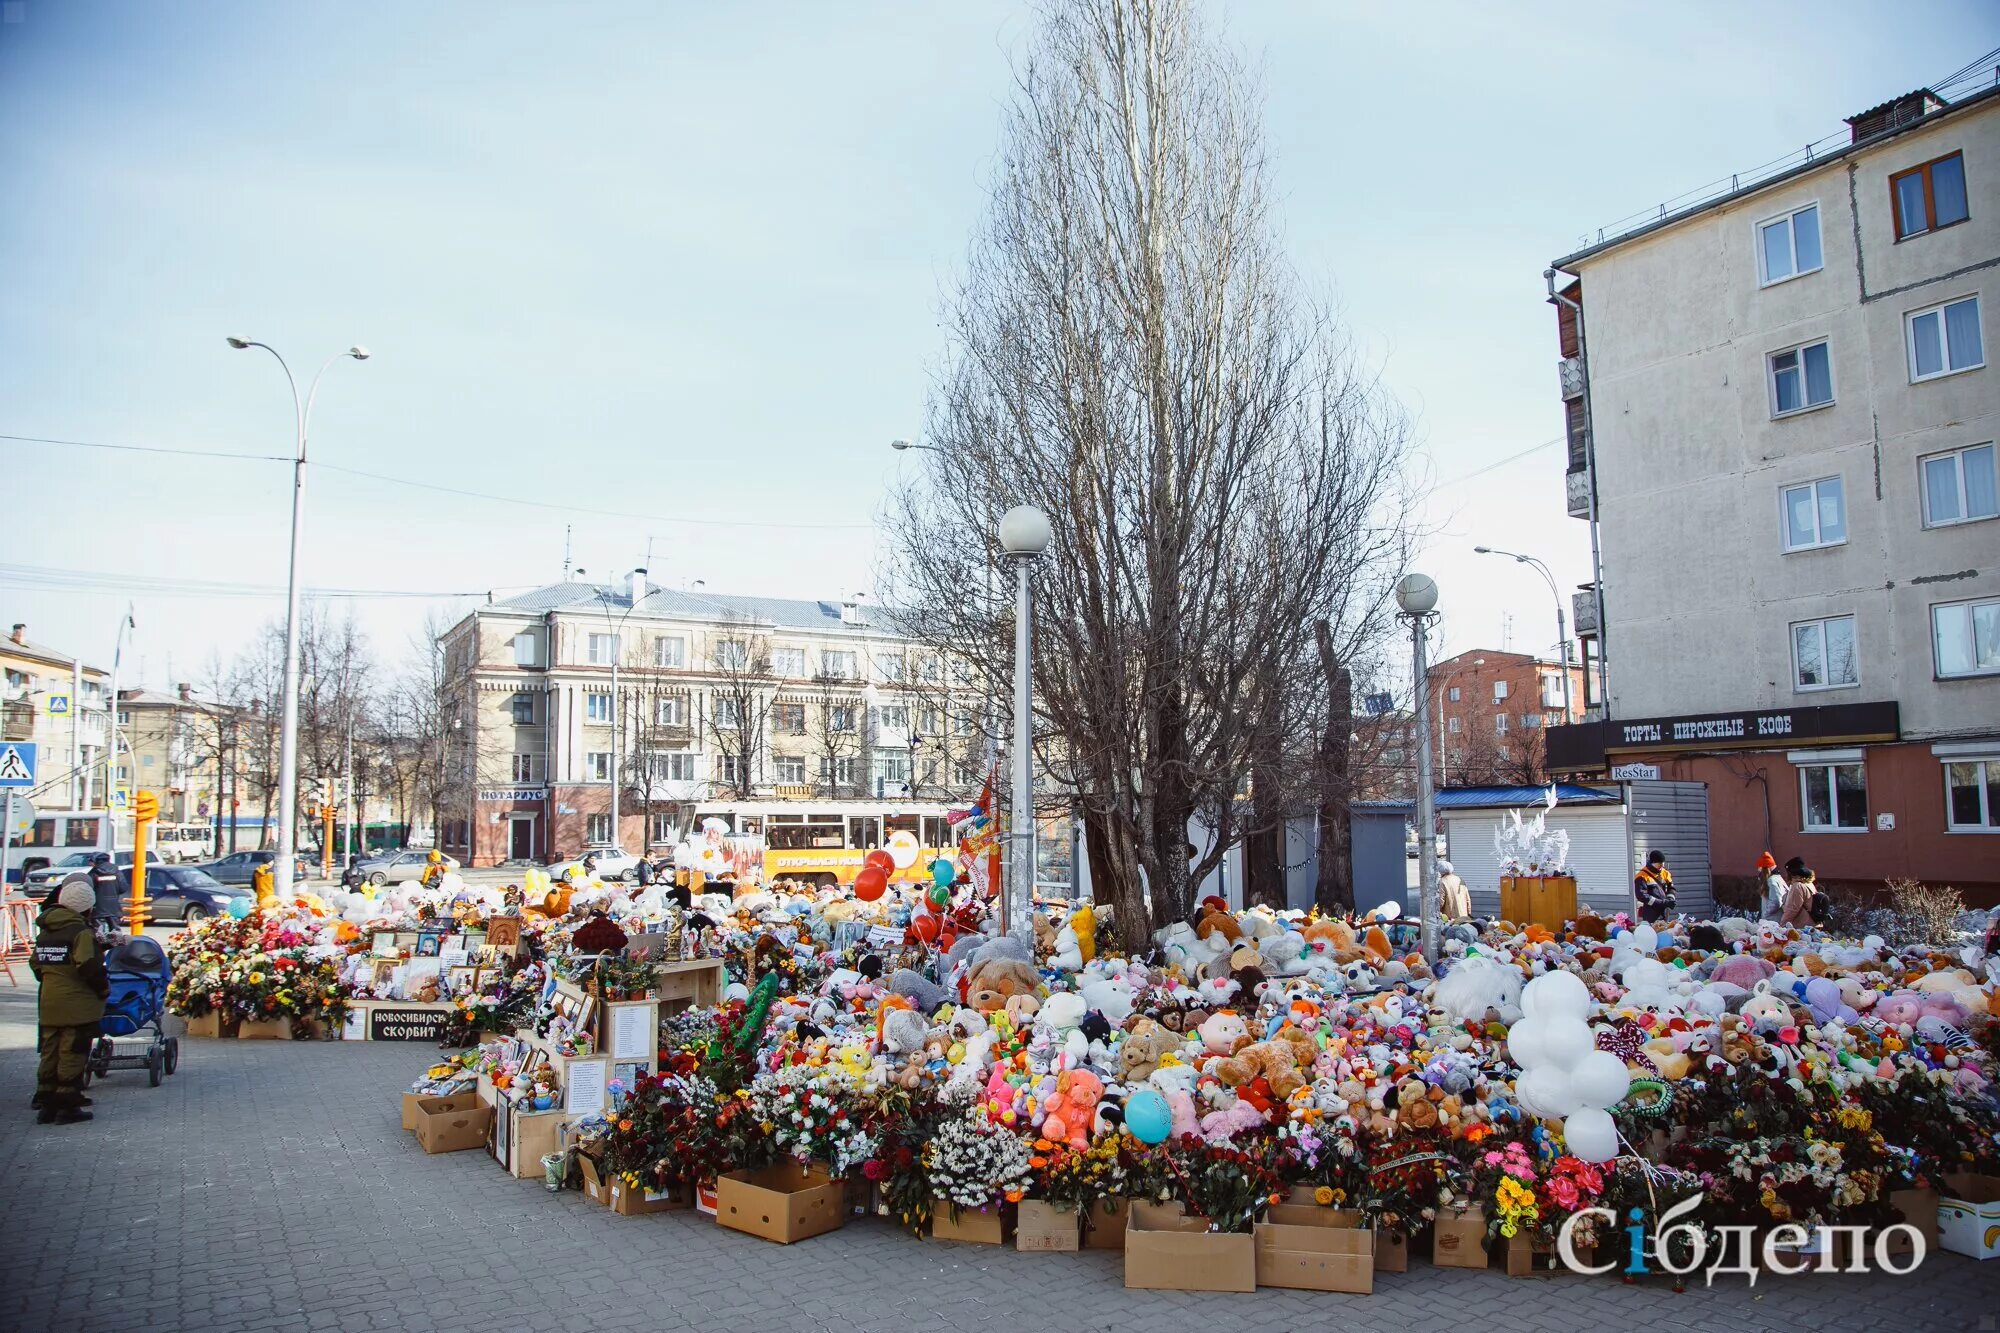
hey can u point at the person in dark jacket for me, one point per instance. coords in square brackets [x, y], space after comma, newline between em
[1653, 887]
[70, 969]
[644, 873]
[351, 878]
[108, 882]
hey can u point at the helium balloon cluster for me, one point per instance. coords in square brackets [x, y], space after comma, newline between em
[1563, 1074]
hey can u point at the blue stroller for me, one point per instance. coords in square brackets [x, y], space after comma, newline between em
[138, 971]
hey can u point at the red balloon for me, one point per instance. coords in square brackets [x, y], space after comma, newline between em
[870, 883]
[880, 860]
[925, 928]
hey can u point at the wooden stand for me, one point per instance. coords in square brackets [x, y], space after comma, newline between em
[696, 983]
[1540, 900]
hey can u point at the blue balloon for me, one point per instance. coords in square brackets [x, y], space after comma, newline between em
[1147, 1116]
[240, 907]
[943, 872]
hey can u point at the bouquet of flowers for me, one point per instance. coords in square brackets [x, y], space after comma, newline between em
[974, 1163]
[668, 1131]
[814, 1114]
[909, 1120]
[1231, 1184]
[1071, 1177]
[1408, 1178]
[1332, 1161]
[263, 966]
[1504, 1180]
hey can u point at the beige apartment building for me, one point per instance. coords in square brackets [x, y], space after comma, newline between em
[716, 697]
[55, 701]
[1781, 401]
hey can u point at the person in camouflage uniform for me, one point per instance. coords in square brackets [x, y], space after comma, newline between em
[71, 970]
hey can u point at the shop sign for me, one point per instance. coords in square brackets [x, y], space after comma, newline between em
[513, 793]
[387, 1024]
[1585, 745]
[1635, 772]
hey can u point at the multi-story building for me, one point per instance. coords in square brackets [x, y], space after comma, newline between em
[1491, 709]
[1782, 396]
[715, 696]
[186, 750]
[55, 701]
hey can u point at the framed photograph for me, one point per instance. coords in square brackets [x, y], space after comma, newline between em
[384, 945]
[430, 943]
[503, 931]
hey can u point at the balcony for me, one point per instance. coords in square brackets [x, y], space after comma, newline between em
[17, 721]
[1569, 375]
[1577, 488]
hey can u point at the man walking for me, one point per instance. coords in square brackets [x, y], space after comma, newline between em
[71, 971]
[108, 886]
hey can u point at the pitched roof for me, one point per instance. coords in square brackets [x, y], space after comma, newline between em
[668, 603]
[43, 653]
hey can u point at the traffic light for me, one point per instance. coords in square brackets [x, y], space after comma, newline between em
[145, 807]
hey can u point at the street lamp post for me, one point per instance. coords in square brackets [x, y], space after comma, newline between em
[1024, 535]
[288, 735]
[1417, 595]
[1562, 626]
[617, 739]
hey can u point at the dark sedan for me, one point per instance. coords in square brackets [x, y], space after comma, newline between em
[185, 894]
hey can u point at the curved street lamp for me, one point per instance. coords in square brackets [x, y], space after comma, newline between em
[1562, 626]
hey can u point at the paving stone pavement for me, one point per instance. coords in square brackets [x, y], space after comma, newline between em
[269, 1185]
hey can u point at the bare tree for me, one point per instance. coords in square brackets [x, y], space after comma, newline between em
[739, 704]
[833, 724]
[1131, 354]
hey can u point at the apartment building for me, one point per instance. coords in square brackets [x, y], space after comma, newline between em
[1490, 711]
[1781, 407]
[186, 750]
[714, 696]
[56, 701]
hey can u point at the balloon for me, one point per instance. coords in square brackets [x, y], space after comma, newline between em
[903, 848]
[1590, 1135]
[239, 908]
[710, 860]
[870, 883]
[880, 859]
[938, 896]
[1644, 938]
[1528, 1042]
[1567, 1041]
[943, 872]
[926, 927]
[1555, 994]
[1547, 1092]
[1600, 1079]
[1147, 1116]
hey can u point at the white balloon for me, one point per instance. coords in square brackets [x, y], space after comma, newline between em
[902, 848]
[1644, 938]
[1591, 1135]
[1600, 1079]
[1567, 1041]
[1547, 1092]
[1557, 994]
[1389, 911]
[1528, 1042]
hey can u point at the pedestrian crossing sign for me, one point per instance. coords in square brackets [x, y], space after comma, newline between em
[17, 765]
[58, 705]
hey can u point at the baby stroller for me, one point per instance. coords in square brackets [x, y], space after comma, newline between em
[138, 971]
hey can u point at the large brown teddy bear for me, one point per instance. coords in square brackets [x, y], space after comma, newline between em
[1139, 1053]
[989, 985]
[1275, 1060]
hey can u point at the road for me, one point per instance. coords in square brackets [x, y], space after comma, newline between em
[269, 1185]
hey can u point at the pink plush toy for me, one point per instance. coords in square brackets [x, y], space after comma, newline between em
[1903, 1008]
[1221, 1126]
[1180, 1103]
[1072, 1107]
[1744, 970]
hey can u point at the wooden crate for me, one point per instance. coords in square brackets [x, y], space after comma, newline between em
[1541, 900]
[694, 984]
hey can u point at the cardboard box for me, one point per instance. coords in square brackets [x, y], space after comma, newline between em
[1458, 1239]
[265, 1029]
[1518, 1254]
[452, 1124]
[629, 1202]
[972, 1226]
[1919, 1208]
[1392, 1253]
[595, 1187]
[208, 1025]
[783, 1203]
[1309, 1248]
[1040, 1226]
[532, 1135]
[1174, 1252]
[1104, 1225]
[1969, 1215]
[410, 1100]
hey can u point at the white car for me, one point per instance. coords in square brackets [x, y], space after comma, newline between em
[611, 863]
[397, 868]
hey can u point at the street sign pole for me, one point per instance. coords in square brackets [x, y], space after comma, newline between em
[6, 840]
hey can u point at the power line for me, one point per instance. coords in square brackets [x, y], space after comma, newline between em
[151, 449]
[53, 579]
[1501, 462]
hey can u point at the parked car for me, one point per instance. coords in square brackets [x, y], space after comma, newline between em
[238, 867]
[612, 863]
[186, 894]
[396, 867]
[39, 883]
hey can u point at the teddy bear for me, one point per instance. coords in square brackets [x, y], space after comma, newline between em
[1176, 1084]
[1276, 1062]
[1216, 921]
[991, 984]
[903, 1031]
[1072, 1109]
[1239, 1116]
[1139, 1054]
[1413, 1105]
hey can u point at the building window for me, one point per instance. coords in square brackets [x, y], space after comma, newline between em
[729, 768]
[728, 712]
[1453, 692]
[891, 718]
[524, 650]
[1945, 339]
[930, 721]
[837, 771]
[928, 667]
[603, 649]
[1929, 196]
[1788, 247]
[789, 719]
[1499, 691]
[838, 665]
[891, 667]
[523, 706]
[597, 766]
[1959, 486]
[1531, 720]
[524, 768]
[730, 655]
[671, 712]
[1451, 725]
[963, 724]
[1801, 379]
[840, 717]
[597, 707]
[1552, 691]
[663, 828]
[1502, 753]
[790, 769]
[672, 765]
[891, 770]
[961, 670]
[962, 776]
[1965, 638]
[1823, 654]
[1815, 514]
[1834, 798]
[597, 828]
[1972, 796]
[124, 717]
[1499, 724]
[670, 650]
[789, 662]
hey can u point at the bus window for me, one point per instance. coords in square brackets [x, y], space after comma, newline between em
[43, 834]
[863, 832]
[82, 832]
[910, 824]
[802, 837]
[937, 831]
[750, 825]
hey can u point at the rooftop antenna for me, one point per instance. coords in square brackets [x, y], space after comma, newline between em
[1506, 631]
[565, 553]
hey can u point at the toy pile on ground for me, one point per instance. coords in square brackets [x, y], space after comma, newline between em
[1787, 1077]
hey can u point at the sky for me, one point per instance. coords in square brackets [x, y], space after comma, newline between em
[672, 273]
